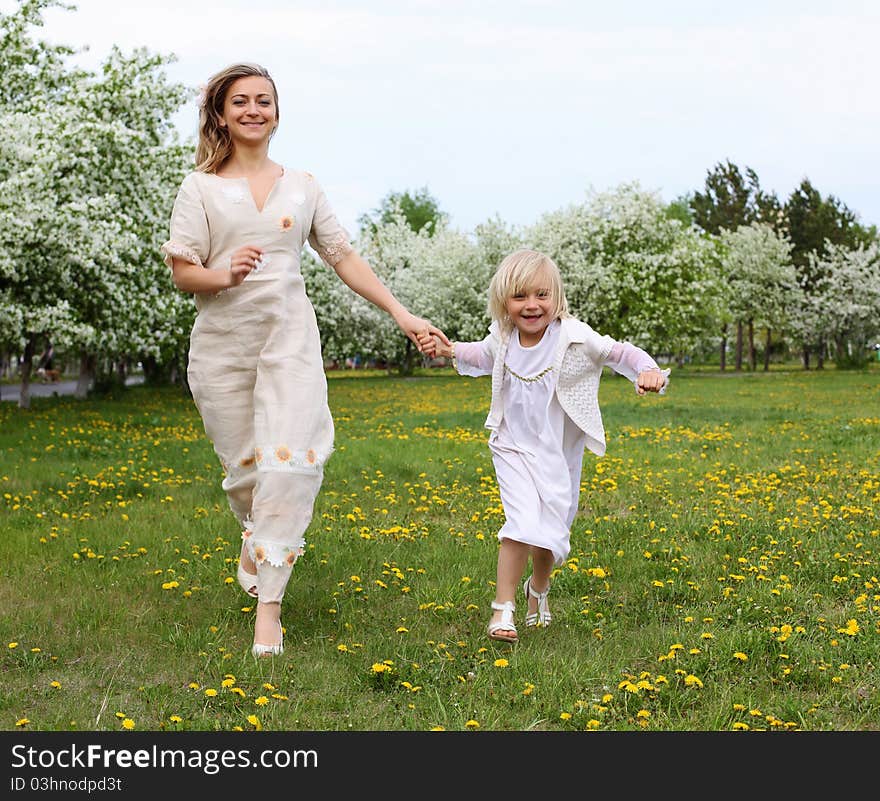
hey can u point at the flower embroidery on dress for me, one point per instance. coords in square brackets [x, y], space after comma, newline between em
[277, 554]
[283, 459]
[285, 224]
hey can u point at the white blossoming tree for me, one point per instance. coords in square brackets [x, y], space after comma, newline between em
[844, 305]
[632, 270]
[761, 287]
[88, 177]
[441, 275]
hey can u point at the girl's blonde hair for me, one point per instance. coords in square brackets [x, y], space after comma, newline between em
[521, 270]
[215, 144]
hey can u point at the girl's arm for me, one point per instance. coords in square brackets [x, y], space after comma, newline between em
[359, 276]
[636, 365]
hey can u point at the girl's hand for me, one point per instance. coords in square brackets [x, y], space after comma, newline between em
[244, 261]
[650, 381]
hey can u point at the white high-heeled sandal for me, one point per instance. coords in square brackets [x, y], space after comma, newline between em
[504, 624]
[258, 649]
[247, 581]
[542, 616]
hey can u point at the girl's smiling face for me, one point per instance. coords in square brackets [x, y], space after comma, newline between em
[531, 309]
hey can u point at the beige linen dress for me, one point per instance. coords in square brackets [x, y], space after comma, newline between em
[255, 365]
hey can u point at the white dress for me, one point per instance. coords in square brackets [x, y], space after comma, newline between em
[255, 367]
[537, 450]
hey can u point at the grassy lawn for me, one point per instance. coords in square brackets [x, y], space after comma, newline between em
[724, 571]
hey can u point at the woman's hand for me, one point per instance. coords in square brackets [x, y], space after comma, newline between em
[243, 262]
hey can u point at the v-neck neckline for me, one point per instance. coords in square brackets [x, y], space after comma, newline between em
[257, 208]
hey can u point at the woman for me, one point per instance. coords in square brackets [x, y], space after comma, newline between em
[238, 227]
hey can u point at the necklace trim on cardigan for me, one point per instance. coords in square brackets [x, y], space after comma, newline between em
[528, 379]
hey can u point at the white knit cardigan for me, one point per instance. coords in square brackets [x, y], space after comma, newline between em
[578, 362]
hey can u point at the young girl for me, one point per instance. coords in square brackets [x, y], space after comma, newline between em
[545, 367]
[238, 227]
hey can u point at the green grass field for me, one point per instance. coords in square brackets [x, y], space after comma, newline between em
[723, 574]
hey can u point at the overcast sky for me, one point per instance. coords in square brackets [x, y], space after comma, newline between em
[513, 108]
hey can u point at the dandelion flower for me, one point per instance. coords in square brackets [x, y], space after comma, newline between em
[128, 724]
[261, 701]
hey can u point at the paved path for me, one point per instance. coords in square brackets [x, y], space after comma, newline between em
[11, 392]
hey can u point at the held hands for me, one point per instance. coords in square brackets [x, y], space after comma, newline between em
[650, 381]
[432, 346]
[421, 332]
[243, 262]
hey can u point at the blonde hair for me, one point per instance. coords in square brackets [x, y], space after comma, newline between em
[522, 270]
[215, 144]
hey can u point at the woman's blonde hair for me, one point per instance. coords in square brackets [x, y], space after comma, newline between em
[215, 144]
[522, 270]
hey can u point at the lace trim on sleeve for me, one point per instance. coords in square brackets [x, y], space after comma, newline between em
[335, 250]
[171, 250]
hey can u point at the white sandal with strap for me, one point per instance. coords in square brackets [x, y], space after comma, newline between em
[248, 581]
[258, 649]
[504, 624]
[542, 616]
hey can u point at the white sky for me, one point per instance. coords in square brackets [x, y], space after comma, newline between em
[515, 108]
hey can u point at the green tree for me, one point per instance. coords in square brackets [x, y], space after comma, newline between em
[731, 199]
[419, 209]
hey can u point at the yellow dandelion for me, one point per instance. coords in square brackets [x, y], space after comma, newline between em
[255, 722]
[741, 656]
[13, 645]
[55, 684]
[22, 722]
[128, 724]
[261, 701]
[565, 716]
[210, 692]
[501, 663]
[472, 724]
[176, 719]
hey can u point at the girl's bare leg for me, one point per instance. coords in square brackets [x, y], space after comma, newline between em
[512, 559]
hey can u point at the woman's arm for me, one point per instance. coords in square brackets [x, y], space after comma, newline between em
[357, 274]
[193, 278]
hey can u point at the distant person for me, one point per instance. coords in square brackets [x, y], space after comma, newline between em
[238, 228]
[544, 412]
[46, 365]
